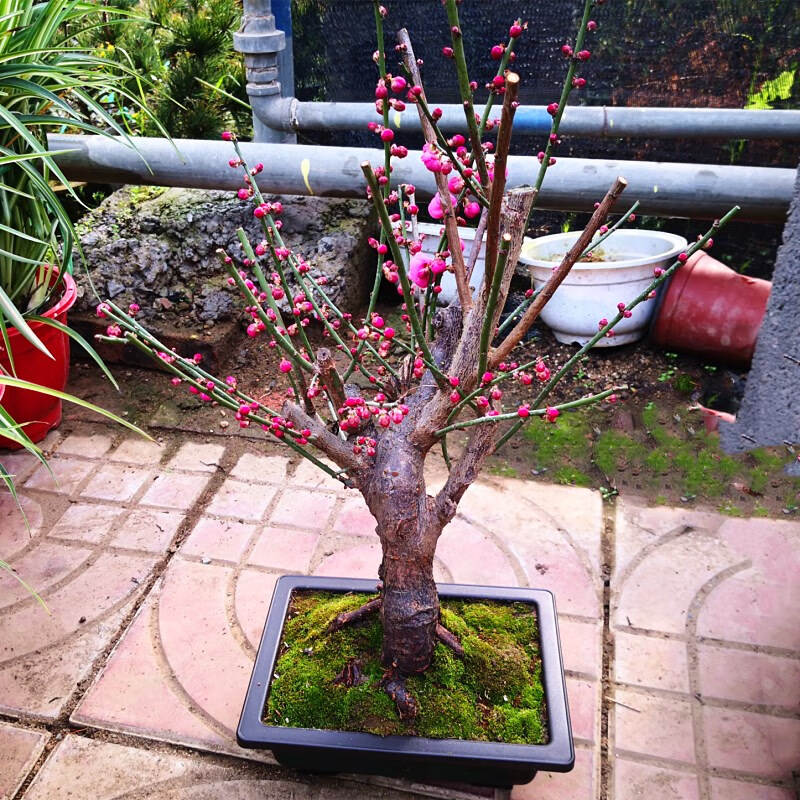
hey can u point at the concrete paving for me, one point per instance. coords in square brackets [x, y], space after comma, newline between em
[679, 627]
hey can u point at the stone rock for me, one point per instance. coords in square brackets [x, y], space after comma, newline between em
[157, 247]
[770, 414]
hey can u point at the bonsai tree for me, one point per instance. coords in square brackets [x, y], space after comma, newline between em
[376, 400]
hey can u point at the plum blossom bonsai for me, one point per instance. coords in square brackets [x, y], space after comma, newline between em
[375, 400]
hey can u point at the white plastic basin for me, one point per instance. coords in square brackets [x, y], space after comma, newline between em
[592, 290]
[429, 244]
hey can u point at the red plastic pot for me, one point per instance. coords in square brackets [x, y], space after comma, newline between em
[711, 310]
[41, 411]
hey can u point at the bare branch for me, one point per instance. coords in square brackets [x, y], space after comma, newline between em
[499, 178]
[475, 251]
[450, 224]
[598, 218]
[466, 470]
[338, 451]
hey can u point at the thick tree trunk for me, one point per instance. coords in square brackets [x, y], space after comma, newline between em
[410, 609]
[408, 530]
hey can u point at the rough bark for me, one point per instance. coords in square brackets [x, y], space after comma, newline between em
[408, 532]
[409, 524]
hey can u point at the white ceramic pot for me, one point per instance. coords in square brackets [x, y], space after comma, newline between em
[429, 244]
[592, 290]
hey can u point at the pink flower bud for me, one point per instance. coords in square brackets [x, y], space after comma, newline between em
[285, 365]
[472, 210]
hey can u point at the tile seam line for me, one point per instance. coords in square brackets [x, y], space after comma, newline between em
[708, 641]
[62, 723]
[724, 773]
[781, 712]
[607, 652]
[692, 661]
[235, 624]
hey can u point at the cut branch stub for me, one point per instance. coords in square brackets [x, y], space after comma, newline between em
[329, 376]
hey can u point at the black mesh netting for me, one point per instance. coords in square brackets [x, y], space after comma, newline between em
[679, 53]
[675, 53]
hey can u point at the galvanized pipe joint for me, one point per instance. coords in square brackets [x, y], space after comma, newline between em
[260, 42]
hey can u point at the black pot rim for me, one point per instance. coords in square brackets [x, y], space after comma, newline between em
[557, 755]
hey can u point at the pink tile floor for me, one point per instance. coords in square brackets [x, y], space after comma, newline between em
[150, 557]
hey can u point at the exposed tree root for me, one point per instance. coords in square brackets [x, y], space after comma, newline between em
[351, 617]
[351, 674]
[449, 639]
[395, 687]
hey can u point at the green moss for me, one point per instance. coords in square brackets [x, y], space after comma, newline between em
[566, 440]
[140, 194]
[494, 693]
[572, 477]
[613, 447]
[658, 461]
[684, 384]
[503, 471]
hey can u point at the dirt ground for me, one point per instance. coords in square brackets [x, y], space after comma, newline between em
[651, 443]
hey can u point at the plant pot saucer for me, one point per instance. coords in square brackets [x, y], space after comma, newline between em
[415, 757]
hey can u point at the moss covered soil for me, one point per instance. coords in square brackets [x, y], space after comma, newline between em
[494, 693]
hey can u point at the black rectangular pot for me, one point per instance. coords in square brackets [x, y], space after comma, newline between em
[416, 757]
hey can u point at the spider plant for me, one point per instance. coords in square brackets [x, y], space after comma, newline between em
[47, 82]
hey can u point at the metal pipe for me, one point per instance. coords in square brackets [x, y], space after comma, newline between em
[282, 9]
[591, 121]
[703, 191]
[261, 43]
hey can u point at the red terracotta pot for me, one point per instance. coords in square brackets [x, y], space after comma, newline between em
[711, 310]
[41, 411]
